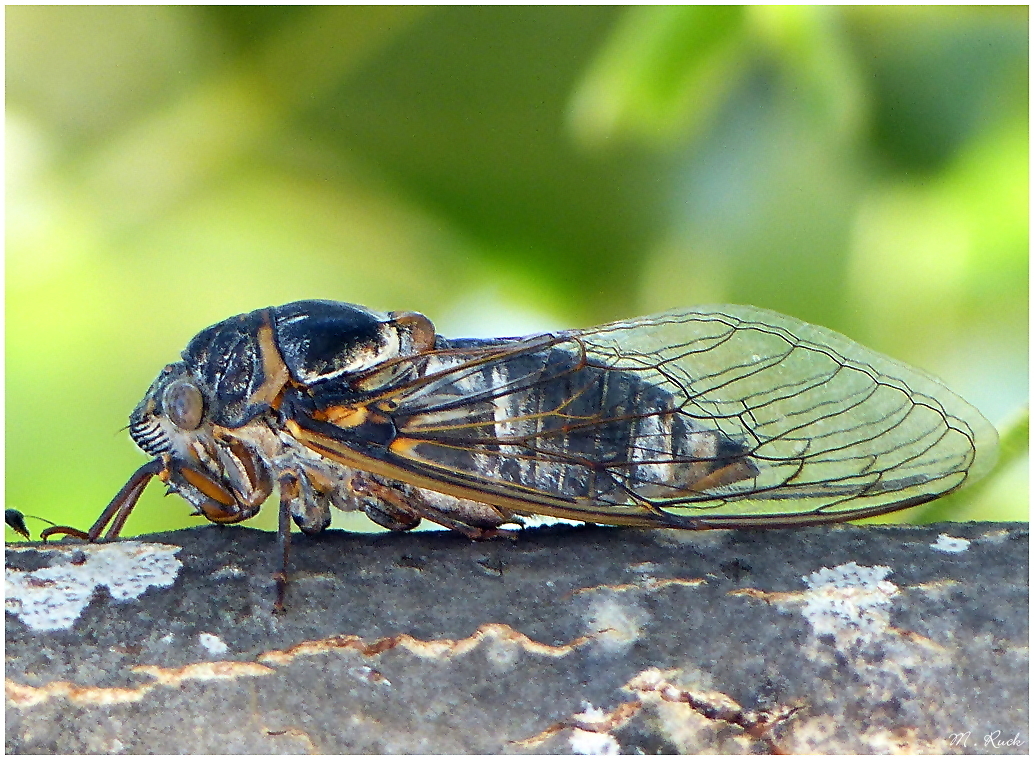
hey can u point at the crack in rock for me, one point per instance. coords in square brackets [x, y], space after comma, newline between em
[433, 648]
[654, 686]
[203, 671]
[646, 584]
[590, 729]
[23, 696]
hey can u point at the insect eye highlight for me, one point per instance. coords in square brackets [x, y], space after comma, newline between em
[184, 404]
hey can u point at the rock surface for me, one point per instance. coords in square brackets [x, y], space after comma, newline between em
[588, 640]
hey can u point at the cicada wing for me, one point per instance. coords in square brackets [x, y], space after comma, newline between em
[835, 429]
[729, 415]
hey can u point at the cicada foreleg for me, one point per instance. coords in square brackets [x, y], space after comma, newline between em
[117, 512]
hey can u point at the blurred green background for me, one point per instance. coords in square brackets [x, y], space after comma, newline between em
[503, 170]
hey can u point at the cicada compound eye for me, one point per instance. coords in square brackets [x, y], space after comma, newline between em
[184, 404]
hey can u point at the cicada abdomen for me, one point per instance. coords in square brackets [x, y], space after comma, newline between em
[542, 419]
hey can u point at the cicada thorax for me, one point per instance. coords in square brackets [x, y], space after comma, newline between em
[242, 364]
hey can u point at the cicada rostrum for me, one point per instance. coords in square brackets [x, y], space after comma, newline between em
[711, 417]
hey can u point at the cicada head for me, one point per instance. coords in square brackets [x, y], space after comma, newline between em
[207, 417]
[215, 471]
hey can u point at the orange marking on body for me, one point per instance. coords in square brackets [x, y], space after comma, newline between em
[320, 481]
[404, 447]
[273, 368]
[207, 486]
[346, 416]
[731, 473]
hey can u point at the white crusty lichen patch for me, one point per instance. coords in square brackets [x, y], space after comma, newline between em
[593, 743]
[950, 544]
[849, 601]
[615, 624]
[213, 643]
[589, 735]
[53, 597]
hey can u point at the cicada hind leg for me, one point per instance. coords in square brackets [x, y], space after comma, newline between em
[400, 506]
[117, 512]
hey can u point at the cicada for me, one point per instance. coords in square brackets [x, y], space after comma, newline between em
[708, 417]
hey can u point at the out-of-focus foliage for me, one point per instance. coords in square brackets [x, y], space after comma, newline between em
[503, 170]
[667, 70]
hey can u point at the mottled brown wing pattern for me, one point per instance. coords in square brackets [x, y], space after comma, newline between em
[729, 415]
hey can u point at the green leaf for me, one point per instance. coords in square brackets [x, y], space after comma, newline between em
[664, 73]
[820, 73]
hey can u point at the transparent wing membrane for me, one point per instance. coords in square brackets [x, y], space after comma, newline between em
[827, 422]
[726, 415]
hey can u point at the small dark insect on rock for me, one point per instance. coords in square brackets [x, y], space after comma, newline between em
[710, 417]
[411, 562]
[15, 520]
[491, 566]
[735, 570]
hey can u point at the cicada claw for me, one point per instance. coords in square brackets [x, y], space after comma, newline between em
[64, 530]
